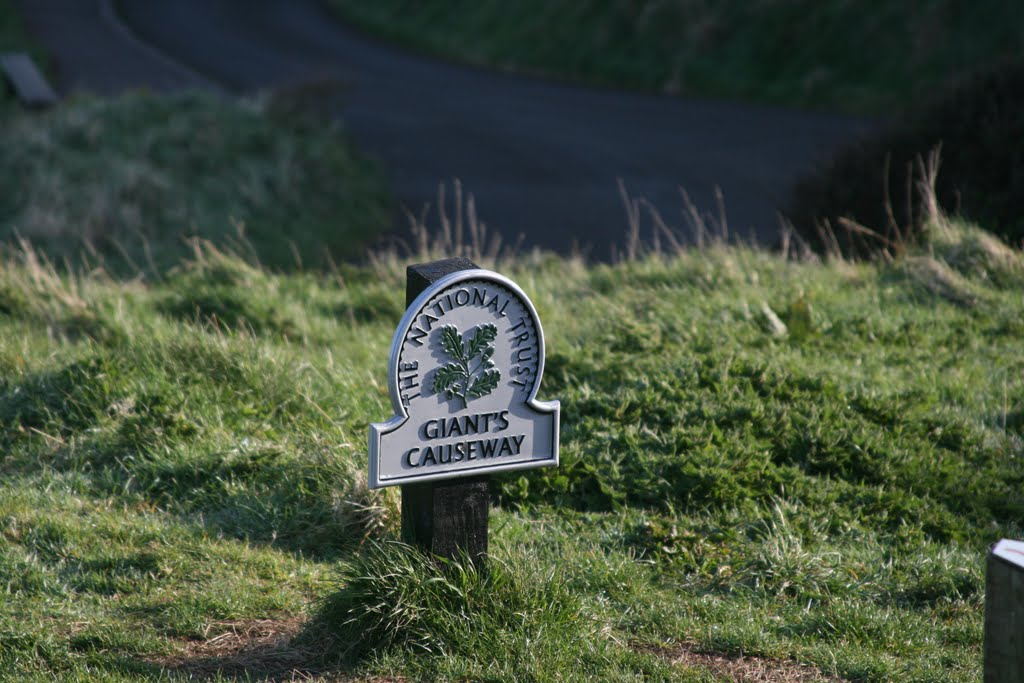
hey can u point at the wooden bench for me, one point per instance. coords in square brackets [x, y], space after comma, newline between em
[28, 82]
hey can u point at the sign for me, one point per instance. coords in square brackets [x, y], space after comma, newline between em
[1004, 613]
[1011, 551]
[466, 363]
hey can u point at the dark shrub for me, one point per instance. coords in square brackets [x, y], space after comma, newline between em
[980, 127]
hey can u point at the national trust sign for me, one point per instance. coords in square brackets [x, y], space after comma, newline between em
[466, 363]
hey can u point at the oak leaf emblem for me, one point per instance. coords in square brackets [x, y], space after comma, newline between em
[460, 378]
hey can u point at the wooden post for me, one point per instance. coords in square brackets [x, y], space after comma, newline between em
[1004, 613]
[447, 518]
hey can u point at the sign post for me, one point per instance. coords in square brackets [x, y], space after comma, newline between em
[466, 362]
[1004, 613]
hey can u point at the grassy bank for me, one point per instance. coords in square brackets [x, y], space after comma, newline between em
[130, 181]
[788, 461]
[834, 55]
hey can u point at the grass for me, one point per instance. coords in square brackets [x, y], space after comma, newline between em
[183, 488]
[132, 180]
[770, 465]
[832, 55]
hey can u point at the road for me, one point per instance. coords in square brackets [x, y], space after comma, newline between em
[542, 159]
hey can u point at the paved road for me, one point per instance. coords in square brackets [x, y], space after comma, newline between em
[94, 51]
[542, 159]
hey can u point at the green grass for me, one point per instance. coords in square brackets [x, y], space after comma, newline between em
[835, 55]
[133, 180]
[784, 460]
[184, 469]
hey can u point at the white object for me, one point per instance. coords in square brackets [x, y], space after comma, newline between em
[1011, 551]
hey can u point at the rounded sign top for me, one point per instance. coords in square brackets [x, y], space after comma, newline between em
[466, 364]
[472, 339]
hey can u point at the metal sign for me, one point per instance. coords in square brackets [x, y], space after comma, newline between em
[1011, 551]
[466, 363]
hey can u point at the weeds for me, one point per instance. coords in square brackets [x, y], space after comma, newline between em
[459, 232]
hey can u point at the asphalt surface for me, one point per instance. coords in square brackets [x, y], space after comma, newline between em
[542, 159]
[94, 51]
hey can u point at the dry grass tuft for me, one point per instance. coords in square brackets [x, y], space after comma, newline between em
[975, 253]
[701, 230]
[460, 233]
[938, 279]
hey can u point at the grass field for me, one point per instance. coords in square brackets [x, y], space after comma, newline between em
[774, 466]
[832, 55]
[183, 485]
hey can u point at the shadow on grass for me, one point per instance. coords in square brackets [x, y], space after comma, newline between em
[254, 650]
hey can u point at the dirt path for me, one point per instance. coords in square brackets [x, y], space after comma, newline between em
[542, 159]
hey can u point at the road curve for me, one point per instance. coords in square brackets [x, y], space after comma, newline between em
[94, 51]
[542, 159]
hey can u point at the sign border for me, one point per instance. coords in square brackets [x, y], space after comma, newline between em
[1009, 545]
[379, 429]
